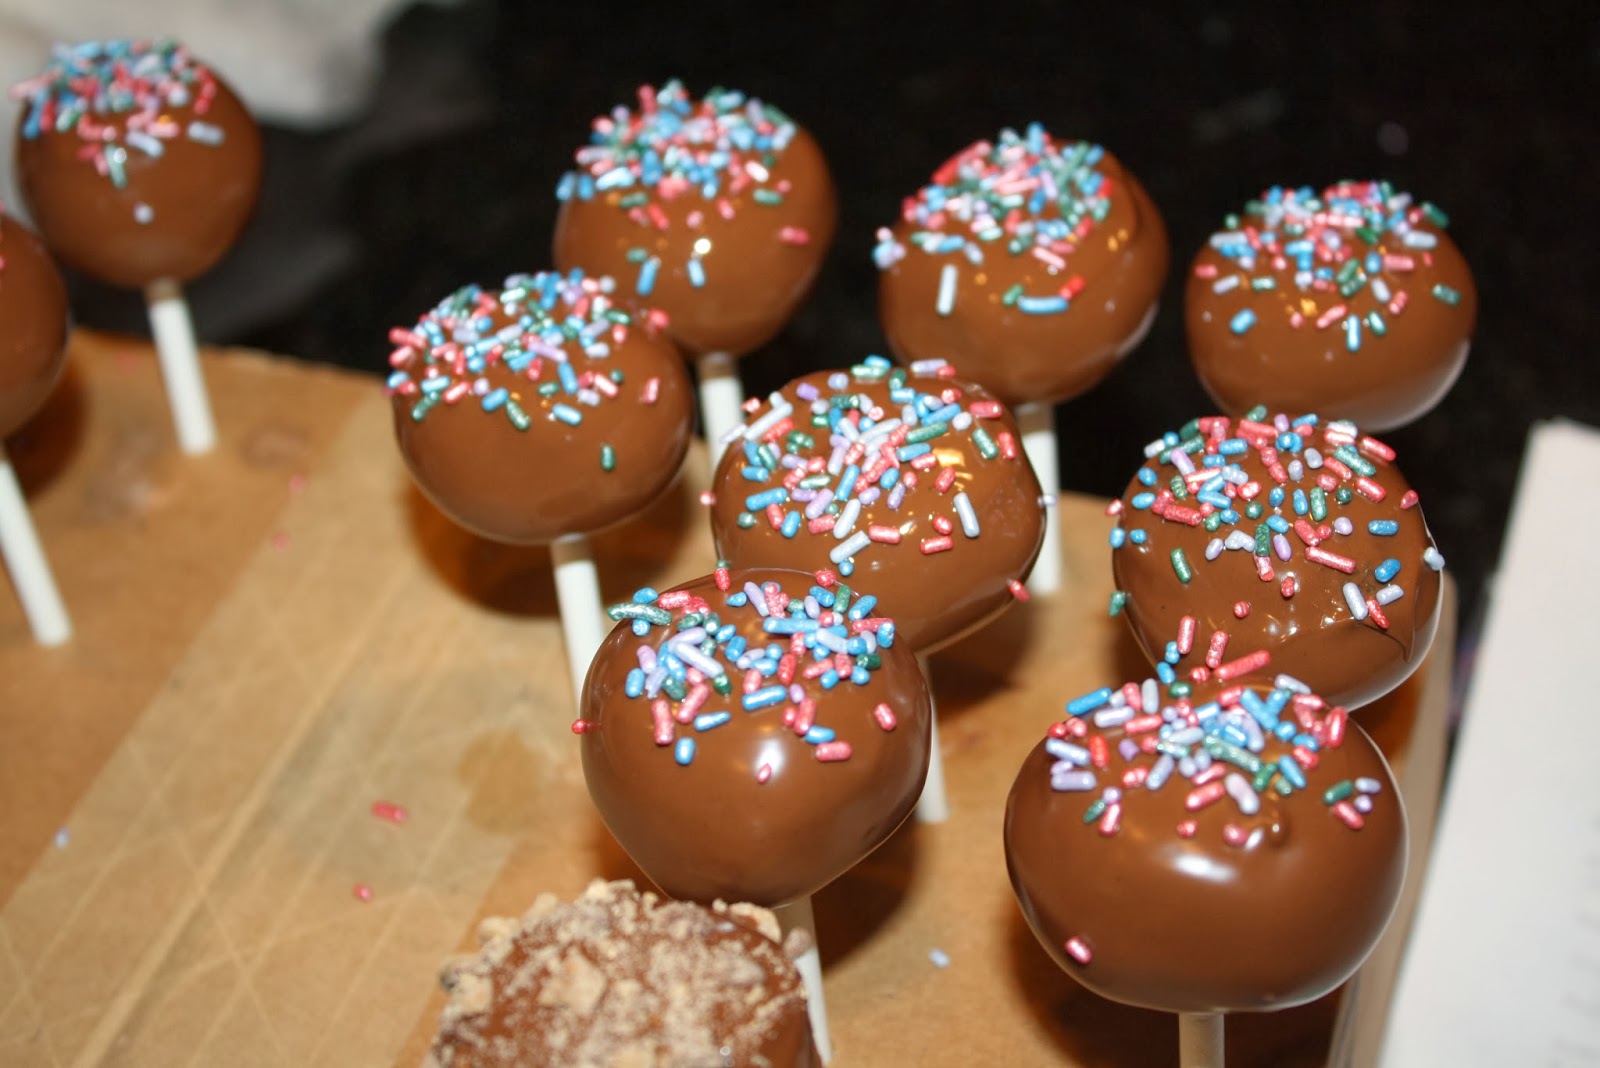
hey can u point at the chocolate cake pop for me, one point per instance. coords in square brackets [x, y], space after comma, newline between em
[717, 211]
[621, 978]
[539, 413]
[140, 167]
[1298, 538]
[1206, 850]
[1030, 264]
[541, 409]
[753, 734]
[136, 161]
[910, 482]
[33, 340]
[33, 314]
[1354, 303]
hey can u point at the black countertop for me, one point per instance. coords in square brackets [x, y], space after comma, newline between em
[450, 177]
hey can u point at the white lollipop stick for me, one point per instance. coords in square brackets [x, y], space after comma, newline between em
[1200, 1039]
[24, 557]
[1038, 425]
[180, 366]
[583, 619]
[721, 400]
[796, 916]
[933, 806]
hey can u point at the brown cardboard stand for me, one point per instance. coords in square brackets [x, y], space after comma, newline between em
[273, 638]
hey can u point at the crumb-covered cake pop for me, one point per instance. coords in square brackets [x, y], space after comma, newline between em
[1354, 303]
[33, 324]
[541, 409]
[1299, 538]
[136, 161]
[717, 211]
[1222, 848]
[910, 482]
[618, 979]
[1031, 264]
[753, 734]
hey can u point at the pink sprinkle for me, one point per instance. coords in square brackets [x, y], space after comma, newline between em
[1202, 796]
[1241, 609]
[651, 391]
[1114, 508]
[794, 235]
[937, 545]
[1079, 950]
[1186, 627]
[1409, 499]
[764, 773]
[707, 498]
[1111, 819]
[832, 752]
[363, 892]
[884, 715]
[1187, 828]
[1018, 590]
[297, 484]
[1244, 665]
[1216, 648]
[1349, 816]
[280, 541]
[1370, 489]
[1318, 555]
[581, 726]
[388, 810]
[1234, 834]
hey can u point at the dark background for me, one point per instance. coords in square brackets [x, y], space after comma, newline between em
[449, 177]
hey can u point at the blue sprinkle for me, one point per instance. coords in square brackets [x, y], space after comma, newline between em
[683, 752]
[818, 735]
[765, 697]
[1089, 702]
[707, 720]
[633, 685]
[1386, 570]
[1384, 528]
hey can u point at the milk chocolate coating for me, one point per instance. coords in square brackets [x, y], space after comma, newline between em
[937, 597]
[1120, 259]
[33, 324]
[1197, 924]
[547, 479]
[758, 258]
[1313, 635]
[1299, 353]
[711, 828]
[196, 196]
[619, 979]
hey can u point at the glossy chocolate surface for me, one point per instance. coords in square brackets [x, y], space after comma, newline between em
[33, 324]
[1220, 890]
[770, 791]
[1354, 303]
[1291, 587]
[136, 161]
[619, 978]
[539, 410]
[928, 442]
[1055, 257]
[716, 211]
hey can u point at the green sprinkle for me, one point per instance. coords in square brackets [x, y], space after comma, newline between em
[1012, 295]
[746, 520]
[1233, 754]
[722, 684]
[1119, 599]
[1355, 461]
[870, 661]
[1263, 539]
[1319, 504]
[518, 417]
[1092, 813]
[1338, 792]
[425, 405]
[986, 446]
[1435, 214]
[1344, 494]
[1180, 566]
[927, 432]
[769, 197]
[608, 458]
[1446, 294]
[1253, 510]
[1263, 776]
[648, 612]
[636, 255]
[675, 688]
[1179, 690]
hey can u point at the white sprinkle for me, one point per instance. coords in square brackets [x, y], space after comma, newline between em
[849, 547]
[1243, 795]
[781, 409]
[947, 290]
[1353, 598]
[1433, 558]
[940, 958]
[1225, 284]
[1389, 595]
[847, 519]
[967, 515]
